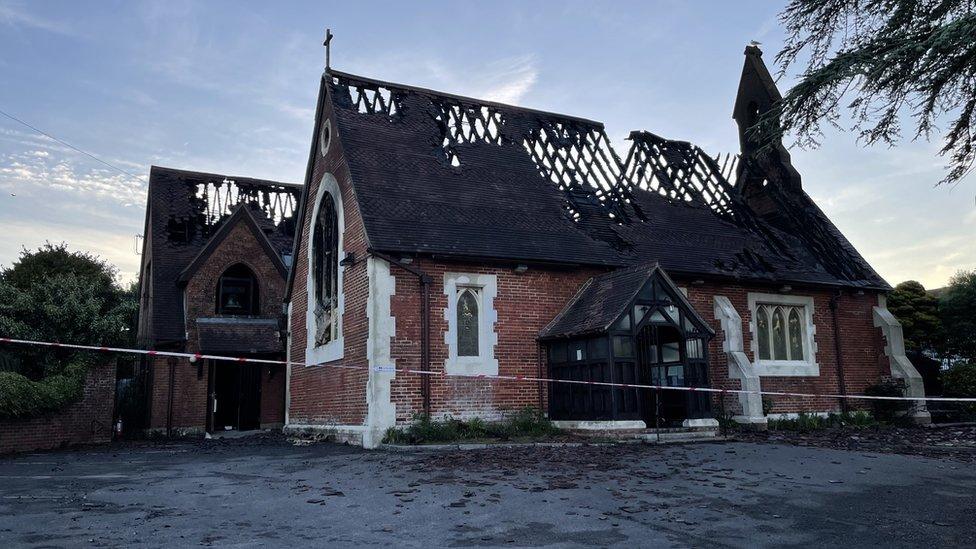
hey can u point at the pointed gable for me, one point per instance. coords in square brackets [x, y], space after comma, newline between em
[185, 210]
[604, 299]
[241, 215]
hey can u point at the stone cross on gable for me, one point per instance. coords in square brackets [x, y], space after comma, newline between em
[328, 47]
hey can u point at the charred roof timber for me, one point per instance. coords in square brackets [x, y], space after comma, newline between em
[206, 202]
[187, 211]
[668, 201]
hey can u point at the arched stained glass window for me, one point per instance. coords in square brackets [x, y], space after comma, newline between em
[325, 270]
[467, 323]
[779, 335]
[762, 329]
[796, 335]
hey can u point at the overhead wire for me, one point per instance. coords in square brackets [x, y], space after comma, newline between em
[72, 147]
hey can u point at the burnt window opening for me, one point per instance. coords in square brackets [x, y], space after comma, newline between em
[325, 271]
[181, 230]
[237, 292]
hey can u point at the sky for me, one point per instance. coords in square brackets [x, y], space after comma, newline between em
[230, 87]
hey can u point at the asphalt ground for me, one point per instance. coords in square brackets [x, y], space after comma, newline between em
[272, 493]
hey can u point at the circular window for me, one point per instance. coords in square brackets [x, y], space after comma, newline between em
[325, 139]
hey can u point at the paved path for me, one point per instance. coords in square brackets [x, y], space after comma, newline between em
[721, 494]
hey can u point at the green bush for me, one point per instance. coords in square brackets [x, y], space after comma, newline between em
[888, 411]
[20, 397]
[523, 424]
[804, 422]
[53, 294]
[960, 381]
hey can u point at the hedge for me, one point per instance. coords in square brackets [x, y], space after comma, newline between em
[21, 397]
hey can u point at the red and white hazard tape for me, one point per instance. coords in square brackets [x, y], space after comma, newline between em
[498, 377]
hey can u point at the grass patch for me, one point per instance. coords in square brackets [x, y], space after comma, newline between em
[525, 424]
[811, 422]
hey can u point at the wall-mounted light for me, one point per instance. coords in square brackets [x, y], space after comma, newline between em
[406, 260]
[350, 259]
[786, 289]
[521, 268]
[698, 282]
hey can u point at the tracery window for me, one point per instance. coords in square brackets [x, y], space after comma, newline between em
[780, 331]
[325, 270]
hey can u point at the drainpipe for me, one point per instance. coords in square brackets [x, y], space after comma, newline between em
[169, 405]
[838, 351]
[425, 281]
[539, 375]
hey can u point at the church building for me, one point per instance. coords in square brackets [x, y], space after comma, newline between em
[450, 234]
[470, 239]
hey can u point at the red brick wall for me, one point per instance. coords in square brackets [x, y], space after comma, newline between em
[525, 303]
[87, 421]
[862, 345]
[189, 389]
[322, 394]
[189, 394]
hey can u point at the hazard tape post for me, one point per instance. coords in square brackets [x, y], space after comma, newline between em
[496, 377]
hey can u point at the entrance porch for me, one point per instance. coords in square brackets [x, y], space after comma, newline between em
[631, 326]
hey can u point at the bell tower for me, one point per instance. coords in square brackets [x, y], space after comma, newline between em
[765, 161]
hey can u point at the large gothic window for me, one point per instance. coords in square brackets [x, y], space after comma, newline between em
[780, 330]
[237, 292]
[325, 271]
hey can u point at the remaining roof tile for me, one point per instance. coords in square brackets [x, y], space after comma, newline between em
[440, 174]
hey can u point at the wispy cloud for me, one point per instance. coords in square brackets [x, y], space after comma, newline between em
[506, 80]
[15, 15]
[37, 169]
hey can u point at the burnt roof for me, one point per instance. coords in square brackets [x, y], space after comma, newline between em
[186, 211]
[446, 175]
[604, 299]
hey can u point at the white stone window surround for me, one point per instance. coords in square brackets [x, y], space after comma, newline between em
[807, 367]
[487, 289]
[333, 350]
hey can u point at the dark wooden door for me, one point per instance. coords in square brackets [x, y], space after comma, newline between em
[236, 396]
[661, 362]
[249, 413]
